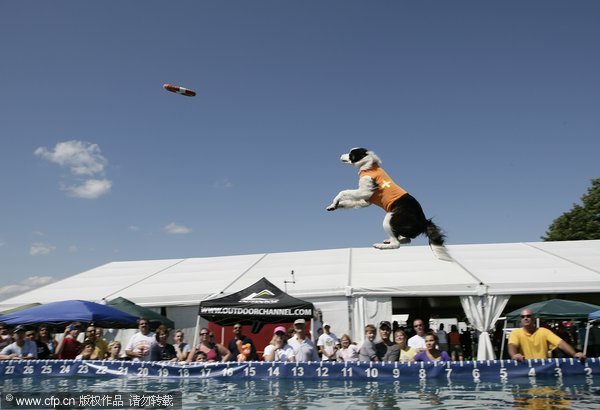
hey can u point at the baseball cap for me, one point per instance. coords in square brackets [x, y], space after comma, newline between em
[326, 324]
[300, 322]
[385, 323]
[19, 328]
[280, 329]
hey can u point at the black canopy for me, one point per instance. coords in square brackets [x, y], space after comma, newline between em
[261, 302]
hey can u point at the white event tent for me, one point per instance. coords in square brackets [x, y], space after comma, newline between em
[352, 287]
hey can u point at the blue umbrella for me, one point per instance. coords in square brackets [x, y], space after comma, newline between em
[67, 311]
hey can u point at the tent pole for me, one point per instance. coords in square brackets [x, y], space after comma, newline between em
[587, 336]
[503, 339]
[502, 344]
[196, 332]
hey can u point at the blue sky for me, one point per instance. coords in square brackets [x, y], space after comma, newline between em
[487, 111]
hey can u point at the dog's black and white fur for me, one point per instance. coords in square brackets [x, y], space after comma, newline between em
[406, 219]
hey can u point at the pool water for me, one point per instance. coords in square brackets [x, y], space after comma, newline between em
[571, 393]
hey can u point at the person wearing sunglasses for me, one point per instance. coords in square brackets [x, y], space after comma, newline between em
[531, 342]
[239, 340]
[214, 352]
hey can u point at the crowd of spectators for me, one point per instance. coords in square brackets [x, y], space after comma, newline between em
[386, 342]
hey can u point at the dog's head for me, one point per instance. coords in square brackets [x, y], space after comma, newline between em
[361, 158]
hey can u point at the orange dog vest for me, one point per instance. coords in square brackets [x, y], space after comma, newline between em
[387, 191]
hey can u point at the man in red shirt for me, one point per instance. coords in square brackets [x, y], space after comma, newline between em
[69, 347]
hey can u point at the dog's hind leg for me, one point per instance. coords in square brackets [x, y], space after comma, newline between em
[402, 239]
[392, 242]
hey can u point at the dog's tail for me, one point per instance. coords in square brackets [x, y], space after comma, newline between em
[434, 233]
[436, 241]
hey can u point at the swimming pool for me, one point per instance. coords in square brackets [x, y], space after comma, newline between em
[538, 393]
[476, 371]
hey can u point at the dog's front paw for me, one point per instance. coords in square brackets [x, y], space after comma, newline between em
[332, 207]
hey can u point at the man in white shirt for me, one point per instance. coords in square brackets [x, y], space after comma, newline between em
[328, 343]
[304, 349]
[140, 343]
[21, 348]
[417, 342]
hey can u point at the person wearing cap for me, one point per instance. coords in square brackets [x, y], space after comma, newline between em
[304, 348]
[531, 342]
[328, 343]
[21, 348]
[381, 348]
[417, 342]
[69, 347]
[278, 350]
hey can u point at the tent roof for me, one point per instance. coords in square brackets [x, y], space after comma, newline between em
[556, 309]
[128, 306]
[18, 308]
[509, 269]
[66, 311]
[260, 302]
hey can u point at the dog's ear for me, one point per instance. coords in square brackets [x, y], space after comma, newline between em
[356, 154]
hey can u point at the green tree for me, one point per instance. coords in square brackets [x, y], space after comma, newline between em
[581, 222]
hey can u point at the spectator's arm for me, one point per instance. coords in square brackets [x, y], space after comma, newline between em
[568, 349]
[225, 353]
[191, 355]
[513, 352]
[61, 344]
[7, 354]
[132, 353]
[315, 355]
[269, 357]
[181, 355]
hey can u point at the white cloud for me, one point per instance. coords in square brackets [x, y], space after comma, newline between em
[25, 285]
[73, 249]
[84, 161]
[90, 189]
[35, 281]
[223, 184]
[40, 249]
[175, 229]
[81, 157]
[133, 228]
